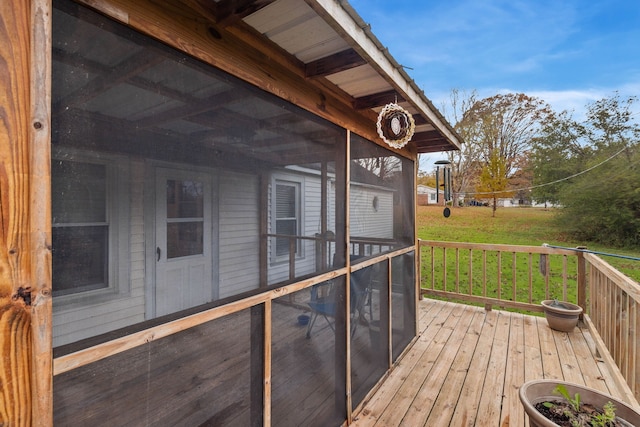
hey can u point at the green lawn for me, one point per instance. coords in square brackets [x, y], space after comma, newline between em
[515, 226]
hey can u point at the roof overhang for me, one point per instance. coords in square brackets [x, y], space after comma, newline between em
[328, 40]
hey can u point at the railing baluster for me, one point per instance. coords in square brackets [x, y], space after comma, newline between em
[564, 277]
[433, 268]
[499, 275]
[470, 271]
[457, 270]
[484, 273]
[444, 268]
[530, 277]
[514, 272]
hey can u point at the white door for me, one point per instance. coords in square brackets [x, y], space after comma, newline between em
[183, 240]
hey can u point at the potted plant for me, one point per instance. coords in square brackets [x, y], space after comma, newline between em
[551, 403]
[561, 316]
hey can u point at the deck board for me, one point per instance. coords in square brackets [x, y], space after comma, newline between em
[467, 365]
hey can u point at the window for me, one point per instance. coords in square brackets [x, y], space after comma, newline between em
[85, 231]
[287, 217]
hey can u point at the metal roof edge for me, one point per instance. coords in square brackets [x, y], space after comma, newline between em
[344, 19]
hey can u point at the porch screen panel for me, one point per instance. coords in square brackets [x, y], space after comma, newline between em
[201, 376]
[308, 347]
[403, 297]
[369, 329]
[382, 215]
[231, 189]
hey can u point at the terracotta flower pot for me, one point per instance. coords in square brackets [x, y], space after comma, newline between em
[533, 392]
[561, 316]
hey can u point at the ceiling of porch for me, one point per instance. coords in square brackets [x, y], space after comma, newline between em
[328, 40]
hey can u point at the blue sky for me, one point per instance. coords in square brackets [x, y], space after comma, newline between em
[566, 52]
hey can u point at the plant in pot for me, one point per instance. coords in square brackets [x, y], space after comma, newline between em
[561, 315]
[551, 403]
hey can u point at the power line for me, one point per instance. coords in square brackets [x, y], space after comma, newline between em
[552, 182]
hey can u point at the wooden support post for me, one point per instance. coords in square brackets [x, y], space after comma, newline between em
[582, 282]
[25, 236]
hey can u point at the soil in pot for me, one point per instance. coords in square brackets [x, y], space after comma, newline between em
[558, 410]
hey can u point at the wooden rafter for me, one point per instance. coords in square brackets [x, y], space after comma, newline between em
[231, 11]
[377, 100]
[335, 63]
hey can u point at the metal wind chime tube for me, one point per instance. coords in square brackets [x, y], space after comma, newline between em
[446, 184]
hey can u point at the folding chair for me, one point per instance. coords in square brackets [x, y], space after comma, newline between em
[326, 305]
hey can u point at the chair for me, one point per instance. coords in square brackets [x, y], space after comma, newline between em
[325, 305]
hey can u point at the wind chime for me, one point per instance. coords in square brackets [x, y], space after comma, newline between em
[395, 125]
[446, 185]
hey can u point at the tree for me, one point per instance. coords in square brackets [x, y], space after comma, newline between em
[501, 126]
[506, 124]
[592, 170]
[559, 152]
[465, 162]
[493, 182]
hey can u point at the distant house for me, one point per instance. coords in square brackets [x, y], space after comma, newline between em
[429, 196]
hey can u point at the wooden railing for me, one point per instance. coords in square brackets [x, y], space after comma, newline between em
[519, 277]
[506, 276]
[614, 311]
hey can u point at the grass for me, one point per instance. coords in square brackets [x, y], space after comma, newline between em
[515, 226]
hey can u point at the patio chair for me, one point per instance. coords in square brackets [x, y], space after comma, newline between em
[325, 305]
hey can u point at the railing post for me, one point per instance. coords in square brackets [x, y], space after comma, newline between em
[582, 281]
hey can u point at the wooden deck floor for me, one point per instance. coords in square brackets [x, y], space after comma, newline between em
[467, 365]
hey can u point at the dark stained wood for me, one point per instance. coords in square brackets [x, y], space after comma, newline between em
[467, 365]
[335, 63]
[377, 100]
[229, 12]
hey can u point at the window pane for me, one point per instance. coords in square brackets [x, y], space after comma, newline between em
[287, 227]
[285, 201]
[184, 199]
[79, 258]
[78, 192]
[184, 239]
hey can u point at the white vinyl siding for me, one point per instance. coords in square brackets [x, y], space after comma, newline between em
[94, 312]
[365, 221]
[239, 233]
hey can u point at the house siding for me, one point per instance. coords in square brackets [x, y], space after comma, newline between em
[239, 224]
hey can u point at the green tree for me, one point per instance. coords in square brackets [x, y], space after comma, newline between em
[493, 181]
[604, 205]
[592, 170]
[556, 154]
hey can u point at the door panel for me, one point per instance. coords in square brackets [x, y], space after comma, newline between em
[183, 240]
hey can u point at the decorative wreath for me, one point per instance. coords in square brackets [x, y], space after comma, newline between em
[395, 125]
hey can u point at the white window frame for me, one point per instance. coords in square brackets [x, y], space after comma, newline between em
[298, 183]
[117, 218]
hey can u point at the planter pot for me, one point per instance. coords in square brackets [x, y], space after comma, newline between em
[561, 316]
[537, 391]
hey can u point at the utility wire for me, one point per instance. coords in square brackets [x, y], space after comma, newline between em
[593, 252]
[552, 182]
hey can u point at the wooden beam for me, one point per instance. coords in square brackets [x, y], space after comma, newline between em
[40, 215]
[335, 63]
[427, 137]
[377, 100]
[229, 12]
[25, 237]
